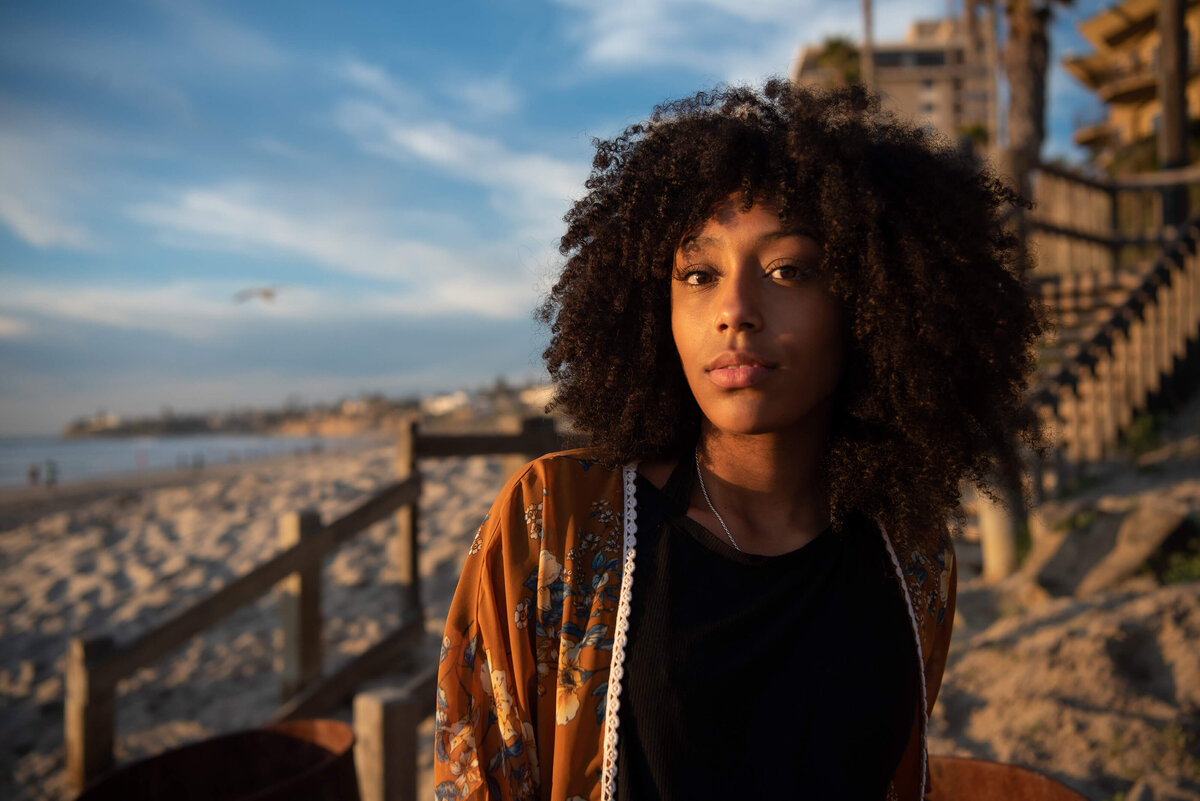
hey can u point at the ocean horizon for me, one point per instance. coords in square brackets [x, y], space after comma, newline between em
[75, 460]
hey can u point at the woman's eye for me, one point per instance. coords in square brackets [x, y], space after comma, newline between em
[784, 272]
[695, 277]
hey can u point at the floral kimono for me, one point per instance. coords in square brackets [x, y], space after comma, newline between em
[529, 682]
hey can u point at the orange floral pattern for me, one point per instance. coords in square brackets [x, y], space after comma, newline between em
[534, 618]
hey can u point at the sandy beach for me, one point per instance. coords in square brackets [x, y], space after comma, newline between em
[1102, 692]
[120, 556]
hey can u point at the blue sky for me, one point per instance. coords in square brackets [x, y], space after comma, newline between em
[397, 170]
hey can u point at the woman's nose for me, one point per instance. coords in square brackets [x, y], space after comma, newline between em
[739, 306]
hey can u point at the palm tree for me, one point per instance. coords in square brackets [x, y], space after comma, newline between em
[841, 58]
[867, 54]
[1026, 60]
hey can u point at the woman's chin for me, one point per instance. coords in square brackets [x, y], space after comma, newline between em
[745, 424]
[749, 418]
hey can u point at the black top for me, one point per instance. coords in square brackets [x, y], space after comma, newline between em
[749, 676]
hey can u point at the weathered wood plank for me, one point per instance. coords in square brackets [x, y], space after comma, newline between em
[300, 608]
[385, 728]
[385, 747]
[89, 713]
[407, 524]
[153, 644]
[443, 445]
[330, 691]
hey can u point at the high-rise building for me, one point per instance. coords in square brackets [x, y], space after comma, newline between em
[940, 76]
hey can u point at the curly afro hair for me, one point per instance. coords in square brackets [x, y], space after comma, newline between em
[940, 326]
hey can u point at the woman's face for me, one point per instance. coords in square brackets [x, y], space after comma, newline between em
[759, 336]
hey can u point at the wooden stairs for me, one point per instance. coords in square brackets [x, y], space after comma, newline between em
[1123, 294]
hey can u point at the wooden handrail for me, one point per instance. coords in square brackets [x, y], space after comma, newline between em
[1095, 393]
[97, 663]
[164, 638]
[537, 437]
[1160, 179]
[1140, 296]
[1163, 179]
[1094, 239]
[339, 685]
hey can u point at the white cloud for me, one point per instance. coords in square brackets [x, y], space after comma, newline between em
[13, 327]
[493, 96]
[222, 40]
[188, 310]
[38, 223]
[34, 179]
[277, 147]
[730, 40]
[531, 189]
[375, 80]
[205, 310]
[434, 279]
[244, 219]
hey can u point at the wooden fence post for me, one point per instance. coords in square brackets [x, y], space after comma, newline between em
[539, 432]
[407, 521]
[300, 608]
[998, 522]
[89, 712]
[385, 750]
[1114, 228]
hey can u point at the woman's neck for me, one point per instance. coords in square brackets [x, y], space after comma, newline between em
[769, 489]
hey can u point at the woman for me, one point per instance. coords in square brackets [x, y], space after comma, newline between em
[791, 326]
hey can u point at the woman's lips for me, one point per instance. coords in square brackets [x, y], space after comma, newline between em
[738, 376]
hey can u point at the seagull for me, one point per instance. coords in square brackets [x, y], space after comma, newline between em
[265, 293]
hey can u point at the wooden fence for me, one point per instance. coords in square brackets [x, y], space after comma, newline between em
[96, 663]
[1083, 225]
[1133, 346]
[1121, 290]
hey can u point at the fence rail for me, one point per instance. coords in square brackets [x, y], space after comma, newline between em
[1124, 292]
[1094, 396]
[96, 663]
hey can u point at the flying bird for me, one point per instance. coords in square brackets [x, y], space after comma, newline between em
[264, 293]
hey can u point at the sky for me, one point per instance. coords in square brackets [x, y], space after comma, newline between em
[394, 173]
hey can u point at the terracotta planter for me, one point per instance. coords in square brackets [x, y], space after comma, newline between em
[958, 779]
[306, 760]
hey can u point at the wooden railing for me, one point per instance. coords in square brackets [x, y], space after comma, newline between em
[1123, 322]
[1095, 394]
[1082, 225]
[96, 663]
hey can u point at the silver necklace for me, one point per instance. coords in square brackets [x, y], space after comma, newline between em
[708, 500]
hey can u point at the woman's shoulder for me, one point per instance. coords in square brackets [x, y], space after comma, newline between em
[568, 471]
[548, 500]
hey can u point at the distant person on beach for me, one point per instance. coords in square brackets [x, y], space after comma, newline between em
[790, 325]
[51, 473]
[34, 474]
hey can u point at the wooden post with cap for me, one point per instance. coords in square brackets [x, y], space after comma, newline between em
[407, 521]
[89, 712]
[300, 608]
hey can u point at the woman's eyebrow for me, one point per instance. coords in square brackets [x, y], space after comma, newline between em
[784, 233]
[694, 244]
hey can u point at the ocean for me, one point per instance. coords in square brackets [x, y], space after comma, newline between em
[75, 460]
